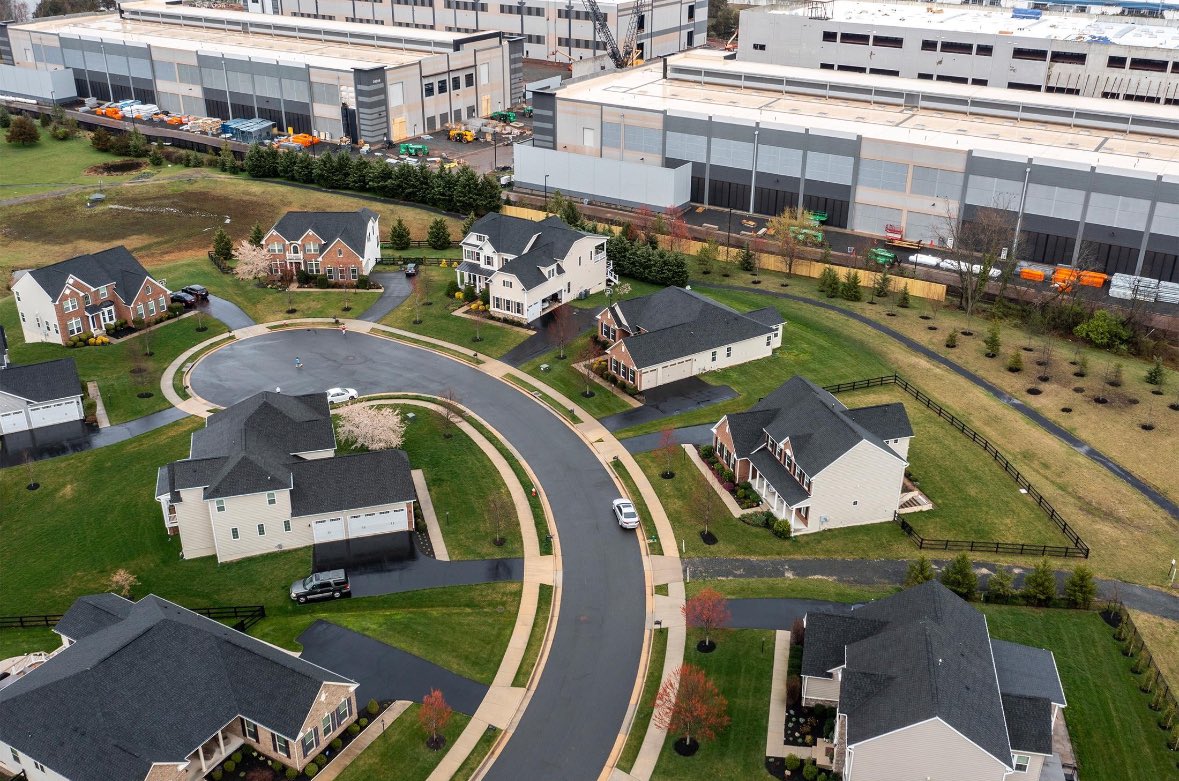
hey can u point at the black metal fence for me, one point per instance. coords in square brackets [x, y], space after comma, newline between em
[242, 616]
[1151, 679]
[1077, 549]
[385, 244]
[401, 260]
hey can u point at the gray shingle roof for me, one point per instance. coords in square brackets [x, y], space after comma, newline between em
[1029, 723]
[827, 634]
[92, 613]
[351, 482]
[929, 657]
[350, 227]
[1027, 671]
[887, 421]
[782, 481]
[819, 427]
[152, 688]
[115, 266]
[516, 235]
[42, 381]
[748, 429]
[676, 323]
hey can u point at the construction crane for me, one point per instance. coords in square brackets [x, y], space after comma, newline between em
[627, 54]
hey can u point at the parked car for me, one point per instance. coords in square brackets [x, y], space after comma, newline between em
[340, 395]
[321, 585]
[411, 269]
[624, 511]
[199, 292]
[180, 297]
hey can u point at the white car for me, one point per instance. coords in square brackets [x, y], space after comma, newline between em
[624, 511]
[340, 395]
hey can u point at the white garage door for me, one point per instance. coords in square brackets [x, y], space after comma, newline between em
[675, 371]
[378, 523]
[62, 412]
[11, 422]
[328, 529]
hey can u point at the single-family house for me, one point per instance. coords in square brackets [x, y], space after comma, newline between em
[816, 462]
[150, 691]
[37, 395]
[263, 476]
[922, 691]
[532, 267]
[342, 246]
[85, 293]
[677, 333]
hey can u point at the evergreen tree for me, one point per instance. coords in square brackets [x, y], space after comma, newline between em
[22, 130]
[903, 301]
[304, 168]
[225, 160]
[490, 195]
[880, 289]
[1156, 374]
[829, 282]
[1079, 589]
[261, 162]
[1000, 587]
[257, 235]
[707, 256]
[438, 236]
[920, 571]
[154, 157]
[1039, 587]
[465, 196]
[100, 139]
[747, 261]
[399, 235]
[993, 342]
[959, 577]
[5, 118]
[467, 224]
[222, 246]
[850, 289]
[1015, 362]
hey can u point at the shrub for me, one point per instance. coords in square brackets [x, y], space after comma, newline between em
[362, 721]
[792, 762]
[321, 282]
[321, 760]
[217, 774]
[469, 293]
[999, 586]
[452, 287]
[291, 774]
[781, 528]
[849, 290]
[1015, 362]
[1039, 587]
[1104, 330]
[303, 278]
[707, 451]
[337, 744]
[760, 520]
[354, 729]
[236, 756]
[276, 766]
[1079, 589]
[952, 339]
[1082, 366]
[828, 281]
[372, 708]
[310, 770]
[1156, 374]
[959, 577]
[363, 283]
[903, 301]
[229, 766]
[810, 772]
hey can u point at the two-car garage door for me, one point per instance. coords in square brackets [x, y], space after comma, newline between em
[671, 372]
[36, 417]
[361, 525]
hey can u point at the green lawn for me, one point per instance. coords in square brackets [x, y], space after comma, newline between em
[1113, 731]
[417, 253]
[638, 729]
[793, 588]
[460, 477]
[568, 413]
[17, 642]
[810, 347]
[439, 323]
[53, 165]
[571, 381]
[111, 366]
[544, 608]
[601, 300]
[471, 763]
[462, 628]
[401, 753]
[740, 666]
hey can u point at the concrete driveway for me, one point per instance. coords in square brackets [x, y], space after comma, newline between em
[581, 700]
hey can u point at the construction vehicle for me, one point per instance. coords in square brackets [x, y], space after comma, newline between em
[555, 53]
[303, 139]
[807, 235]
[882, 256]
[626, 54]
[413, 150]
[528, 111]
[731, 44]
[895, 236]
[816, 218]
[459, 134]
[504, 116]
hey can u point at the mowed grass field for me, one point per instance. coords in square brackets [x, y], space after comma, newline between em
[53, 165]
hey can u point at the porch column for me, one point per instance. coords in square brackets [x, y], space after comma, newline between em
[201, 752]
[221, 741]
[793, 515]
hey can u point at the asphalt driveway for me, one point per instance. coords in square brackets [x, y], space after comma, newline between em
[385, 672]
[227, 312]
[394, 289]
[581, 700]
[671, 399]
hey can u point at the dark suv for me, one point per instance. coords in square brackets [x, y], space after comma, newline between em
[321, 585]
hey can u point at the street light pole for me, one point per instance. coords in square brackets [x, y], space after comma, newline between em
[729, 238]
[546, 193]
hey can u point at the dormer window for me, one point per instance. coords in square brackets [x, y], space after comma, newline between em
[102, 292]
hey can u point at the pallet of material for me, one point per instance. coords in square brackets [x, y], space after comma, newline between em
[205, 125]
[1130, 287]
[1168, 293]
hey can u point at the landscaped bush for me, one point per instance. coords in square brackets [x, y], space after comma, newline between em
[707, 452]
[321, 760]
[762, 519]
[217, 774]
[229, 766]
[236, 756]
[362, 721]
[291, 774]
[363, 283]
[337, 744]
[373, 708]
[321, 282]
[354, 729]
[781, 528]
[792, 762]
[310, 770]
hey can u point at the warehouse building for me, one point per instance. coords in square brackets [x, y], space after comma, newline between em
[1082, 178]
[1093, 55]
[329, 78]
[561, 30]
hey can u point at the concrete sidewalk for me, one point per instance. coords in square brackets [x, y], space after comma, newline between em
[341, 761]
[427, 505]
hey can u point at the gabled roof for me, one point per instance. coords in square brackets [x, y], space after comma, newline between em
[350, 227]
[115, 266]
[1027, 671]
[924, 653]
[351, 482]
[887, 421]
[42, 381]
[535, 245]
[675, 323]
[151, 688]
[1029, 723]
[92, 613]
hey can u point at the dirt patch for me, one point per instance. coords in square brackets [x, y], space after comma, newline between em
[116, 167]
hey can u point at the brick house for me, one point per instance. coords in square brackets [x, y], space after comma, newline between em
[343, 246]
[921, 691]
[263, 476]
[532, 267]
[81, 295]
[677, 333]
[816, 462]
[149, 691]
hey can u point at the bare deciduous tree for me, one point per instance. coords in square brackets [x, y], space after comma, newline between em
[588, 355]
[121, 582]
[499, 511]
[973, 248]
[785, 239]
[562, 329]
[450, 411]
[371, 427]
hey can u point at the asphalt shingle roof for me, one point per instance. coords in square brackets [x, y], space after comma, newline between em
[1027, 671]
[349, 227]
[782, 481]
[535, 245]
[152, 688]
[92, 613]
[887, 421]
[42, 381]
[1029, 723]
[925, 653]
[115, 266]
[351, 482]
[675, 323]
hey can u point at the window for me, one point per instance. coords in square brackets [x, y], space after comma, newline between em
[281, 745]
[769, 339]
[39, 766]
[331, 273]
[344, 712]
[1115, 62]
[102, 292]
[74, 327]
[984, 50]
[826, 66]
[983, 83]
[311, 248]
[310, 741]
[147, 289]
[728, 352]
[15, 756]
[691, 12]
[313, 267]
[714, 356]
[250, 729]
[957, 47]
[220, 505]
[1141, 64]
[355, 273]
[884, 72]
[888, 41]
[759, 47]
[339, 252]
[233, 533]
[163, 305]
[1070, 58]
[69, 305]
[830, 36]
[857, 39]
[928, 45]
[276, 248]
[1029, 54]
[507, 283]
[86, 297]
[271, 498]
[1021, 762]
[441, 86]
[261, 530]
[428, 89]
[1023, 86]
[469, 80]
[456, 83]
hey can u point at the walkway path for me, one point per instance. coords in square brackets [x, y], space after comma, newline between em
[1052, 428]
[395, 288]
[99, 408]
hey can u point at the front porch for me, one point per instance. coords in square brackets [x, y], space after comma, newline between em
[214, 751]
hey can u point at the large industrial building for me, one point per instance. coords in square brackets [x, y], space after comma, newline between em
[1082, 178]
[1093, 55]
[312, 76]
[561, 30]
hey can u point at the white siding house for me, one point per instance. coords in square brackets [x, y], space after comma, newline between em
[39, 395]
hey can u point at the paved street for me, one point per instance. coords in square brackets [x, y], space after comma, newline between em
[580, 701]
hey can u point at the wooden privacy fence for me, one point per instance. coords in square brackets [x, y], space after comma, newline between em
[1152, 681]
[771, 261]
[1077, 549]
[242, 616]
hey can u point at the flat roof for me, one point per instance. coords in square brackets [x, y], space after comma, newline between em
[942, 18]
[645, 89]
[325, 54]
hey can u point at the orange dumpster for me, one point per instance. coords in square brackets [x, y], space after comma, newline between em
[1032, 274]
